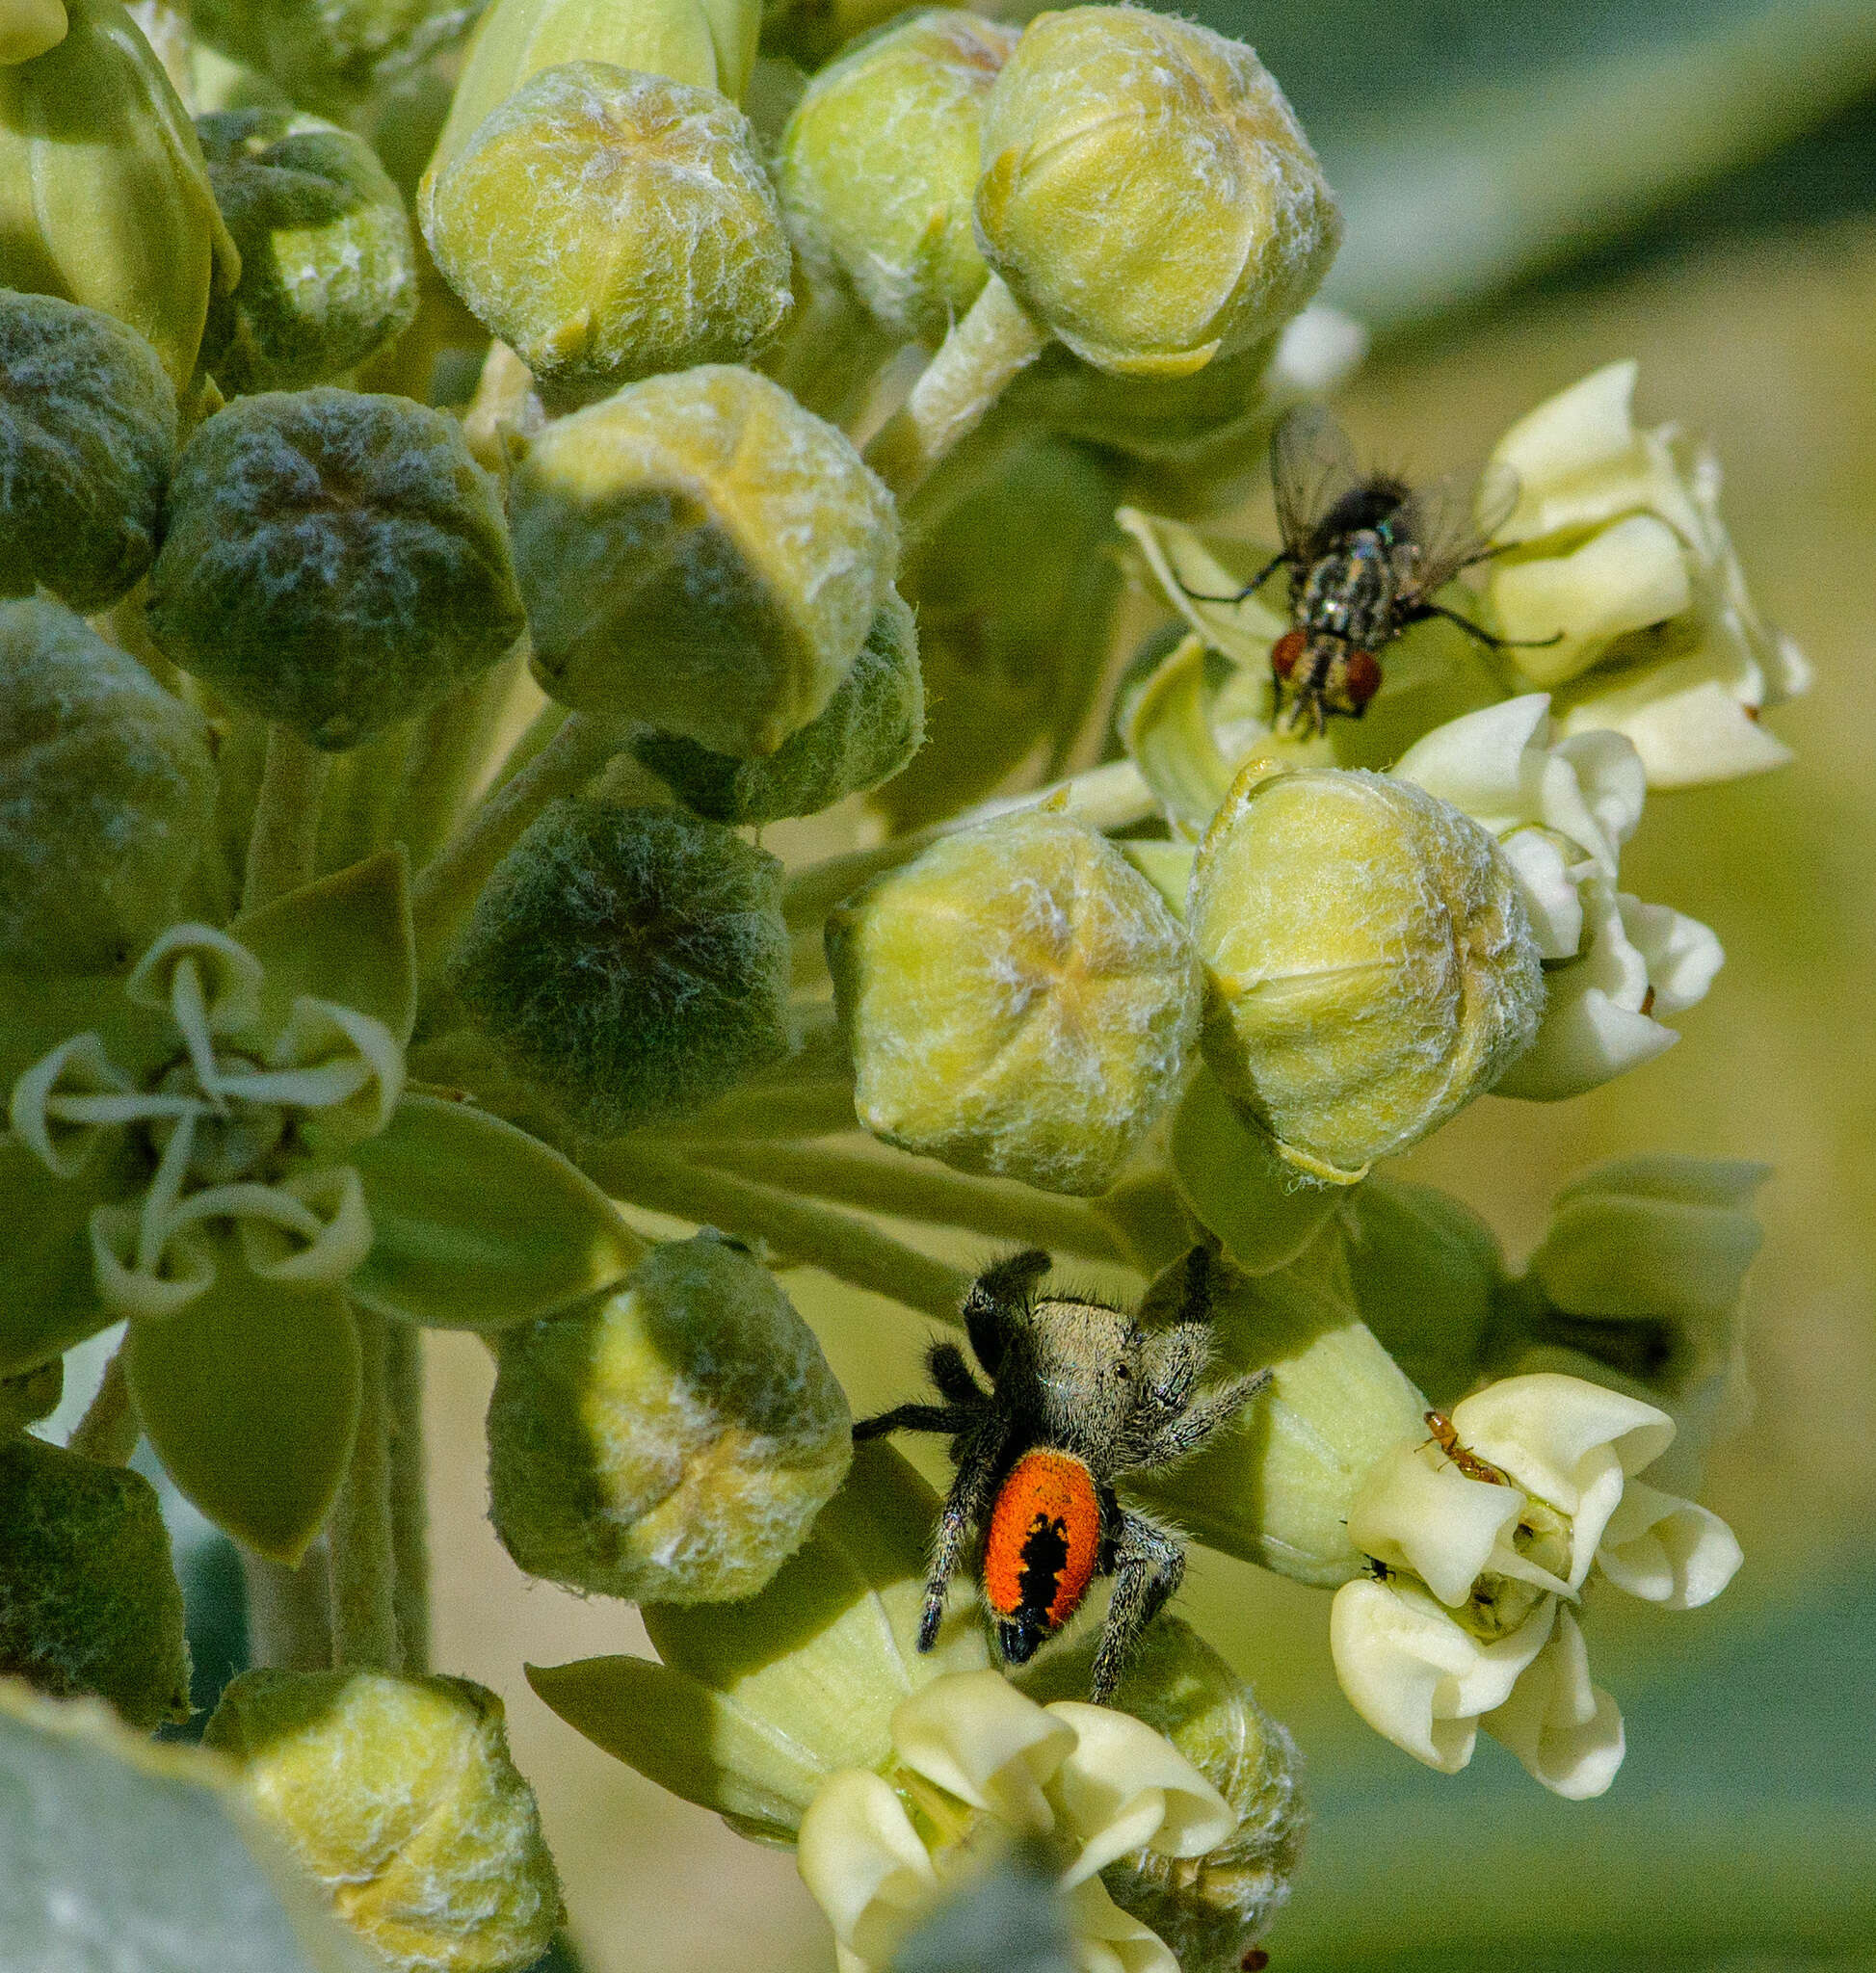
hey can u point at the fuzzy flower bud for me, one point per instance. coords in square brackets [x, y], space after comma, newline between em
[1370, 963]
[1147, 191]
[332, 561]
[110, 205]
[88, 1602]
[398, 1796]
[330, 55]
[630, 961]
[329, 268]
[109, 789]
[608, 225]
[879, 168]
[1018, 1000]
[30, 1395]
[868, 730]
[88, 434]
[701, 553]
[671, 1442]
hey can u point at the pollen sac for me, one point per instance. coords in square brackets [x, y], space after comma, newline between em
[1147, 193]
[671, 1440]
[398, 1798]
[109, 794]
[1370, 968]
[87, 435]
[332, 561]
[608, 225]
[329, 266]
[88, 1601]
[879, 168]
[867, 731]
[1018, 1000]
[630, 961]
[701, 554]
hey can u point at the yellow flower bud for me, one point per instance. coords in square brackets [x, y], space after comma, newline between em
[879, 168]
[1371, 967]
[88, 1602]
[671, 1442]
[701, 553]
[399, 1797]
[1018, 1000]
[105, 199]
[1147, 191]
[608, 225]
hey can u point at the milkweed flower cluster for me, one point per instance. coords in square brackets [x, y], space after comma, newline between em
[462, 496]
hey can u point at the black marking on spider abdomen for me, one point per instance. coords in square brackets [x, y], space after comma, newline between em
[1045, 1555]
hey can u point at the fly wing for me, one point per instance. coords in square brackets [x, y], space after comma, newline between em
[1447, 524]
[1311, 467]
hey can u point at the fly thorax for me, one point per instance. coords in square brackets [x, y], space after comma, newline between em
[1350, 594]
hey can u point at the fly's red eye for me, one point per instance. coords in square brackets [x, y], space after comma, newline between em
[1364, 677]
[1285, 652]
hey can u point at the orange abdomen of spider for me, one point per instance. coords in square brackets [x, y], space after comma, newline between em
[1044, 1540]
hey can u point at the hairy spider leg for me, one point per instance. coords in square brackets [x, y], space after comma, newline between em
[1148, 1566]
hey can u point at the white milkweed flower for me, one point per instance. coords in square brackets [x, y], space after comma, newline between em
[1483, 1550]
[1561, 808]
[979, 1767]
[1618, 552]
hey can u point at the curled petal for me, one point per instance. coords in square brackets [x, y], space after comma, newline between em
[1550, 879]
[1681, 954]
[862, 1863]
[1105, 1939]
[201, 977]
[313, 1226]
[329, 1056]
[1667, 1551]
[39, 1108]
[1430, 1518]
[1416, 1676]
[1631, 575]
[181, 1270]
[980, 1739]
[1123, 1786]
[1567, 1731]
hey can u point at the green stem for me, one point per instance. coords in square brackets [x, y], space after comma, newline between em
[975, 364]
[283, 848]
[847, 1248]
[410, 1503]
[109, 1429]
[879, 1181]
[785, 1110]
[365, 1612]
[289, 1613]
[1109, 797]
[447, 753]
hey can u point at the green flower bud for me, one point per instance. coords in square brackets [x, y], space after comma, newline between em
[106, 200]
[1147, 191]
[632, 961]
[811, 32]
[1014, 595]
[1018, 1000]
[88, 1601]
[109, 794]
[708, 45]
[30, 27]
[879, 168]
[332, 561]
[330, 54]
[608, 225]
[1425, 1269]
[671, 1442]
[1370, 964]
[31, 1395]
[871, 726]
[328, 267]
[701, 554]
[88, 434]
[1209, 1908]
[398, 1796]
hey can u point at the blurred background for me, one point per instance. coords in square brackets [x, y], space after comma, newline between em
[1532, 188]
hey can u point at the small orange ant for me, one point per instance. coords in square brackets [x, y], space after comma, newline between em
[1446, 1438]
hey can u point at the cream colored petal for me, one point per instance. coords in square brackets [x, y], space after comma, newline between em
[77, 1068]
[1547, 1430]
[1567, 1731]
[1548, 881]
[1105, 1939]
[227, 977]
[1611, 782]
[1124, 1787]
[142, 1288]
[1416, 1511]
[1317, 350]
[1416, 1676]
[1489, 764]
[1628, 575]
[329, 1056]
[980, 1739]
[1682, 956]
[863, 1864]
[1188, 573]
[1667, 1551]
[330, 1236]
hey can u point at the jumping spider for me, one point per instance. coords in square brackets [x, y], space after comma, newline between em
[1081, 1395]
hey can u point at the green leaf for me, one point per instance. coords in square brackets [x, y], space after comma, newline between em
[37, 1014]
[115, 1852]
[346, 937]
[250, 1398]
[1167, 731]
[48, 1299]
[478, 1224]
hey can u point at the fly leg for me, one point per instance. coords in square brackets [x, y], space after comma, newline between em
[1148, 1566]
[1251, 588]
[1423, 611]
